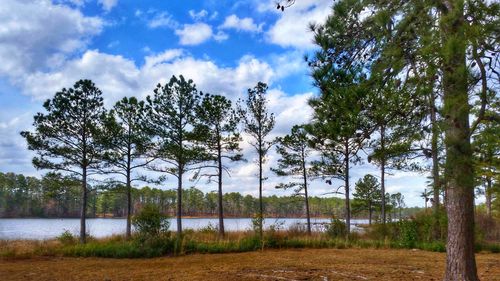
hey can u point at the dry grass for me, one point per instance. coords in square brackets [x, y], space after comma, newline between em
[306, 264]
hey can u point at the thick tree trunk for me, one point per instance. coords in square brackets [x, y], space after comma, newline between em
[346, 183]
[460, 260]
[382, 171]
[221, 211]
[83, 208]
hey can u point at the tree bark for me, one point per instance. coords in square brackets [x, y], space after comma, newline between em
[261, 204]
[346, 183]
[487, 194]
[179, 203]
[304, 171]
[83, 208]
[129, 205]
[460, 260]
[382, 171]
[221, 211]
[370, 213]
[435, 167]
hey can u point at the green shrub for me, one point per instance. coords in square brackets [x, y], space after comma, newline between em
[66, 238]
[336, 228]
[150, 222]
[408, 236]
[209, 229]
[257, 224]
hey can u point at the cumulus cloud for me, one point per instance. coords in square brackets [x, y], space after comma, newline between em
[194, 34]
[291, 29]
[241, 24]
[159, 19]
[14, 155]
[37, 35]
[198, 15]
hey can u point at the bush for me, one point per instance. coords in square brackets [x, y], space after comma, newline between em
[150, 222]
[209, 229]
[336, 228]
[257, 224]
[408, 234]
[66, 238]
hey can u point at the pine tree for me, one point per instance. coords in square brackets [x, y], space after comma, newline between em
[294, 151]
[258, 123]
[171, 111]
[66, 138]
[218, 123]
[367, 195]
[128, 145]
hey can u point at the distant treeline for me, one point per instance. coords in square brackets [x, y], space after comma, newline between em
[57, 196]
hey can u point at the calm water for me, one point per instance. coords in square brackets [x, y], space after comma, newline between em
[50, 228]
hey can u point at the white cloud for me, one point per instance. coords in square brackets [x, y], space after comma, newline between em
[107, 5]
[292, 27]
[194, 34]
[198, 15]
[40, 35]
[241, 24]
[220, 36]
[159, 20]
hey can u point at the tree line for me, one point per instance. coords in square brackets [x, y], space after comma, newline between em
[56, 196]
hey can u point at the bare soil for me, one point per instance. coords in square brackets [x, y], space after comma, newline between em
[306, 264]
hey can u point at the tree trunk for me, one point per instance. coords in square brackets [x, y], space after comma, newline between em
[382, 171]
[435, 167]
[304, 172]
[460, 260]
[370, 213]
[487, 194]
[346, 183]
[221, 211]
[83, 208]
[261, 204]
[179, 203]
[129, 205]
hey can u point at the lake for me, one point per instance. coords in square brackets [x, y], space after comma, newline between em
[39, 229]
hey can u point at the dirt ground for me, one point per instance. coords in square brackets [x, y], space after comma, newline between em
[308, 264]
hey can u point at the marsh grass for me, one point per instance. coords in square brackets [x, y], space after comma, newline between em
[207, 242]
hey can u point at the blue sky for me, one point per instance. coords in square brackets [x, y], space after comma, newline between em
[126, 47]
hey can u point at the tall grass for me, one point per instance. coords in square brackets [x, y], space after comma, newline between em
[404, 234]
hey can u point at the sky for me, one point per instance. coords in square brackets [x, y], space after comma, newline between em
[127, 47]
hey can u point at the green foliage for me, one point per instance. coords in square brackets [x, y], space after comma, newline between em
[335, 229]
[172, 116]
[67, 238]
[72, 122]
[367, 195]
[258, 224]
[67, 138]
[258, 123]
[408, 235]
[149, 222]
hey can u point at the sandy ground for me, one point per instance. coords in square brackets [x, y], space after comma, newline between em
[309, 264]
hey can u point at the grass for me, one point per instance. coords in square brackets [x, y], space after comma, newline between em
[205, 242]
